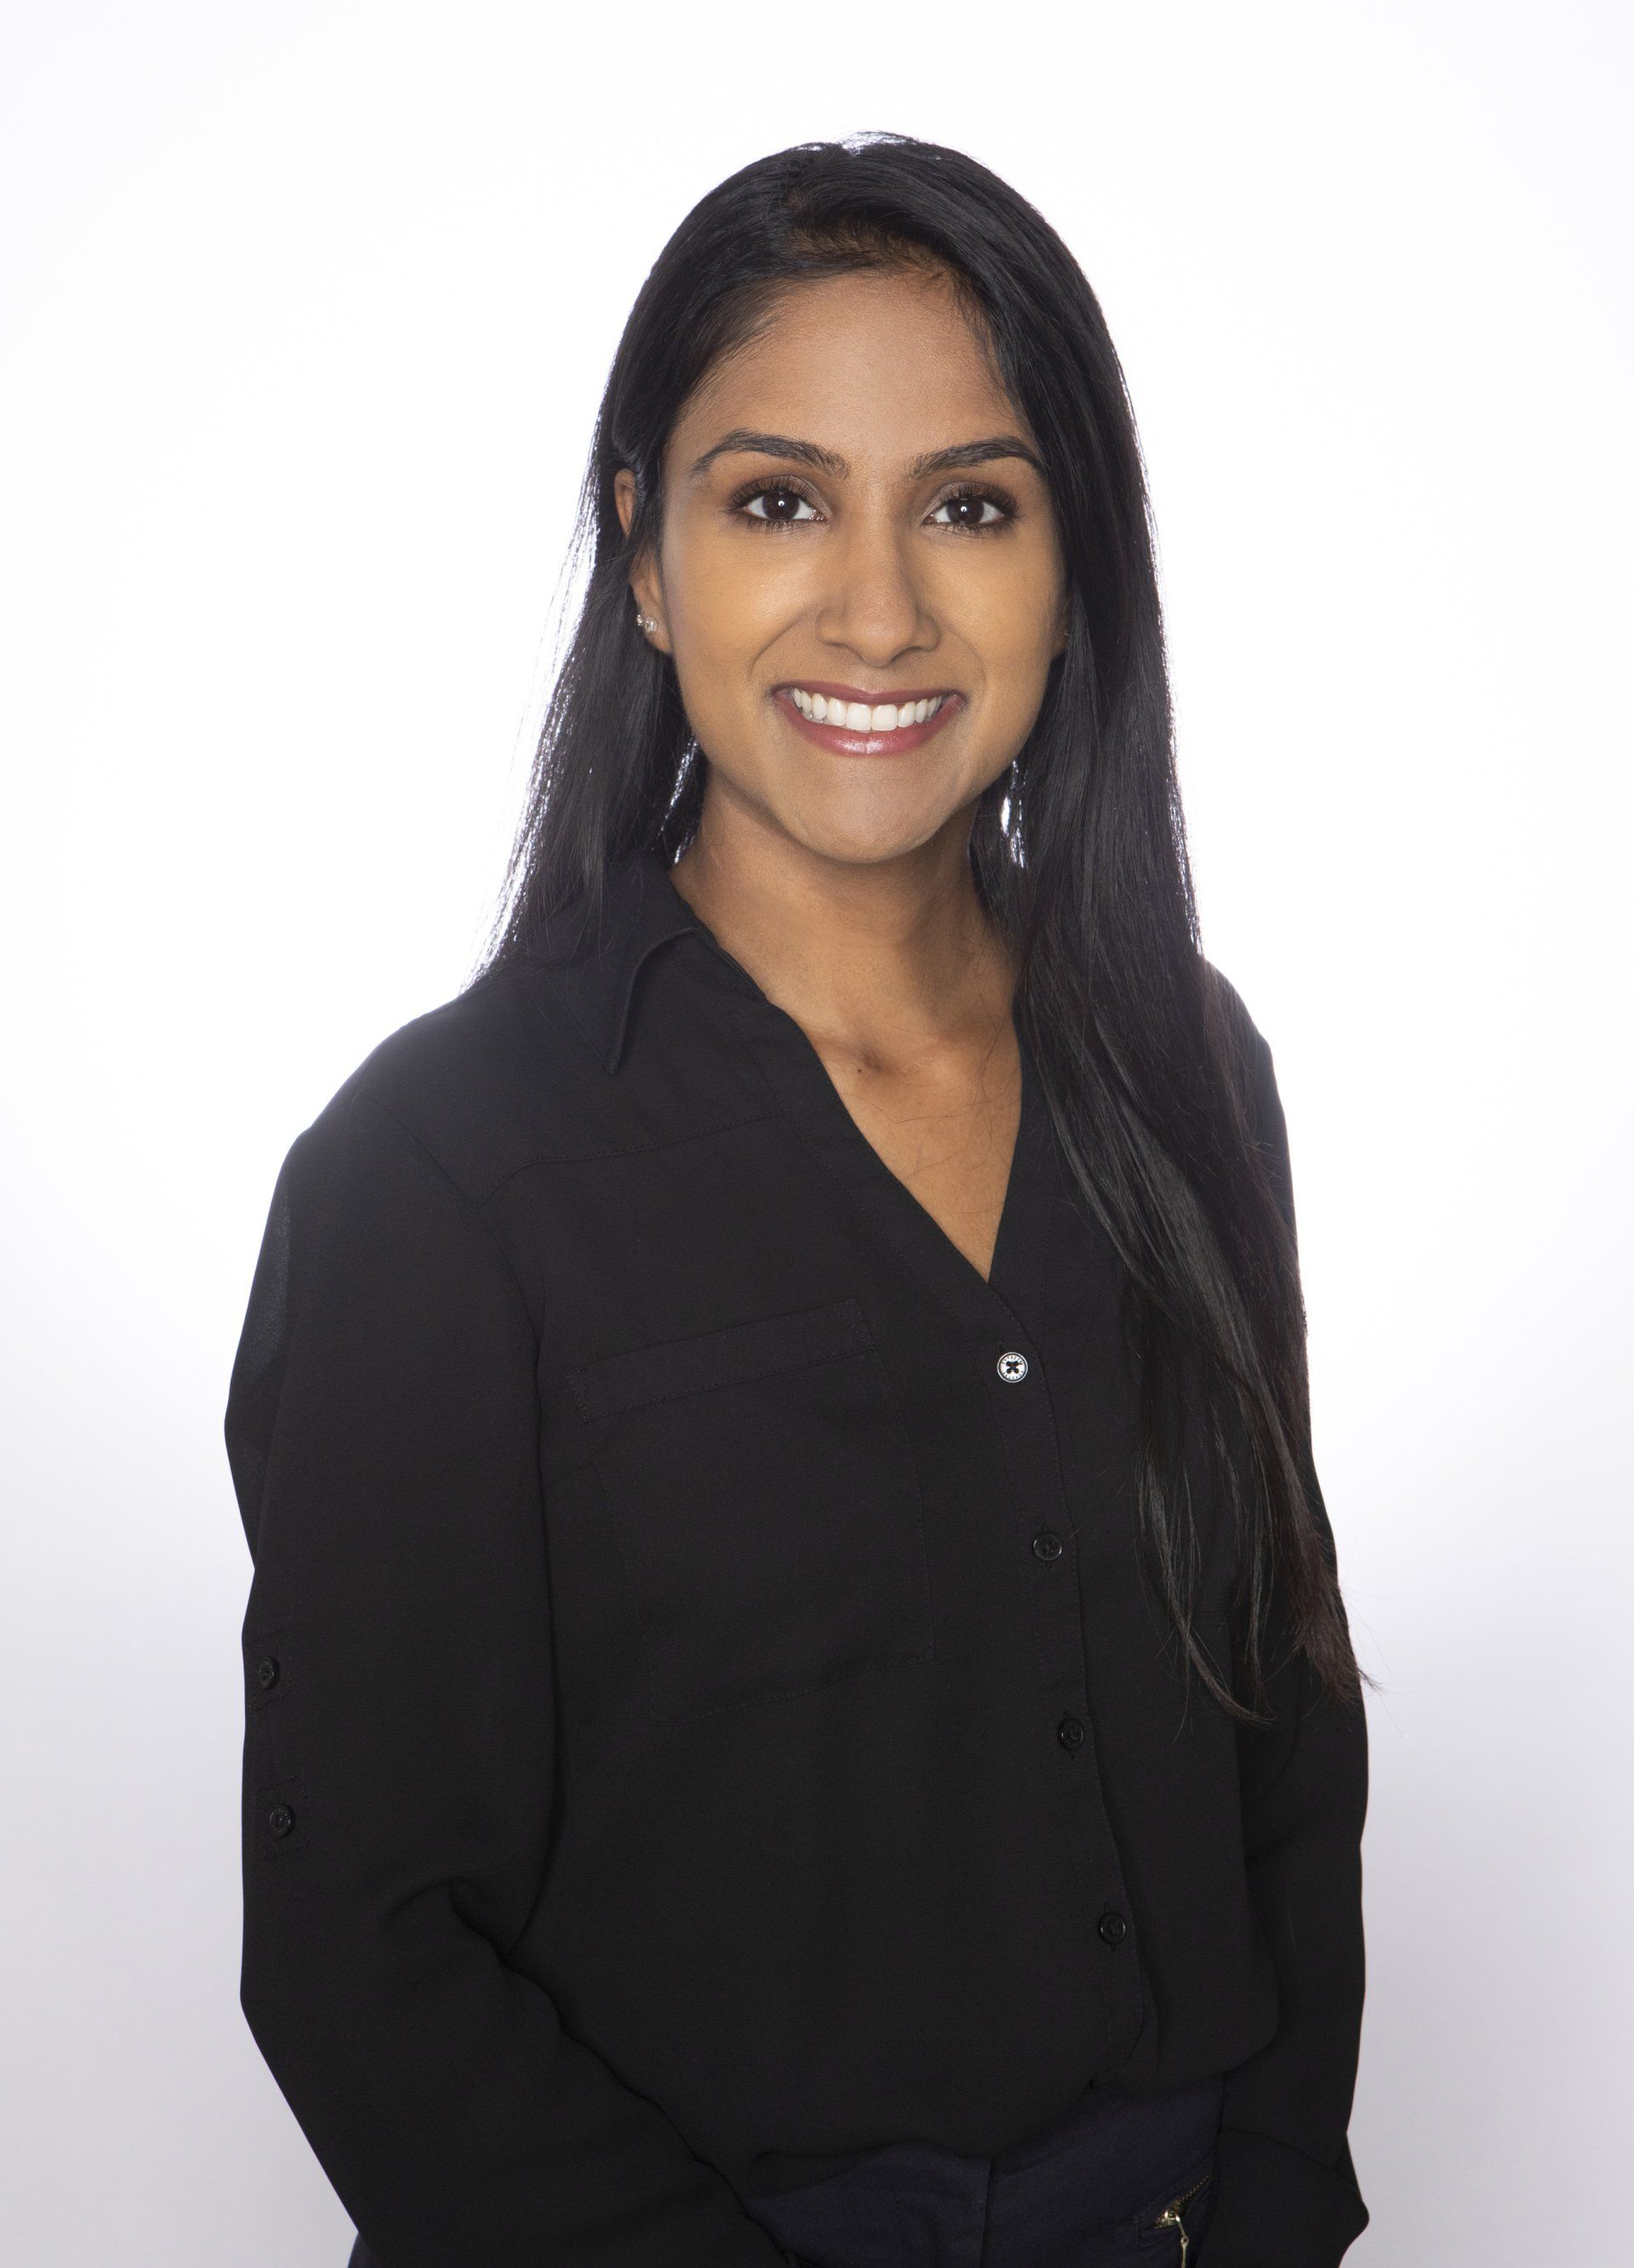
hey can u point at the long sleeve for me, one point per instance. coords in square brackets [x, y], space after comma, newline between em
[1287, 2195]
[382, 1429]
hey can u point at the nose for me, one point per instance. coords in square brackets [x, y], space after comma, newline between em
[873, 604]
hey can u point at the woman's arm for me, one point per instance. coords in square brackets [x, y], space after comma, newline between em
[1287, 2194]
[382, 1430]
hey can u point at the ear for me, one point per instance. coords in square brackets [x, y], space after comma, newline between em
[646, 589]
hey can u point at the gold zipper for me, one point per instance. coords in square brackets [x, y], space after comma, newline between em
[1169, 2218]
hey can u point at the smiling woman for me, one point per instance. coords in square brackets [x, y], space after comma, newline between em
[797, 1701]
[935, 572]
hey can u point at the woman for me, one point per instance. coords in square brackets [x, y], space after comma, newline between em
[799, 1706]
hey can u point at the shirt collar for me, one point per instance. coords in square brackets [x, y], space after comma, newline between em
[641, 909]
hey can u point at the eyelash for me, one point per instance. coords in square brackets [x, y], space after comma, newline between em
[747, 494]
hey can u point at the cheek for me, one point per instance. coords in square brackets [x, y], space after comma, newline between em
[1016, 650]
[729, 588]
[1005, 605]
[721, 626]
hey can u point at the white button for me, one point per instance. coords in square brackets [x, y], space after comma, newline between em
[1012, 1367]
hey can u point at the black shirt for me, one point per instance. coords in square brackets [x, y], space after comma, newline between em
[706, 1718]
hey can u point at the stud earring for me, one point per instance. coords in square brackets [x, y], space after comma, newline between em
[644, 622]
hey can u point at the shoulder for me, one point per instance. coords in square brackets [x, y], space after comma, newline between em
[1250, 1065]
[1243, 1035]
[1245, 1052]
[479, 1084]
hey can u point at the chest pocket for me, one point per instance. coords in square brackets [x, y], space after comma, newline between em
[763, 1490]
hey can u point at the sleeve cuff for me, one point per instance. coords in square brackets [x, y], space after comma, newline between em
[1274, 2208]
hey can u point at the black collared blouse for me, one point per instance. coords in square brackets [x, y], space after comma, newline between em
[706, 1718]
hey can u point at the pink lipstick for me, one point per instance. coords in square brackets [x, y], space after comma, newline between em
[853, 741]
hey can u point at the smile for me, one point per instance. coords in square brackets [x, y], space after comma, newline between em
[840, 718]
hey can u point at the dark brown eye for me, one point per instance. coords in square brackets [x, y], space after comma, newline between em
[969, 506]
[782, 504]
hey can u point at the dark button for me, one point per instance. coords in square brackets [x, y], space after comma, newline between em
[281, 1819]
[1047, 1544]
[268, 1671]
[1070, 1733]
[1112, 1927]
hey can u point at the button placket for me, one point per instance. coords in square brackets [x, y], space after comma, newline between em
[1018, 1400]
[1019, 1391]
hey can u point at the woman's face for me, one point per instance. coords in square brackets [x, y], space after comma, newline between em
[811, 547]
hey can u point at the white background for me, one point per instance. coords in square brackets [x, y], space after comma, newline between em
[304, 317]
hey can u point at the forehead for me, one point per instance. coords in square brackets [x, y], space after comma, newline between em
[878, 365]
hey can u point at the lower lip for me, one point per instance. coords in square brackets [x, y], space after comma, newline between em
[840, 740]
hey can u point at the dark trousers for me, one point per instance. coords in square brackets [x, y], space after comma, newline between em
[1093, 2191]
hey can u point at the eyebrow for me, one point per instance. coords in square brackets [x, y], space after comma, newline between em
[952, 460]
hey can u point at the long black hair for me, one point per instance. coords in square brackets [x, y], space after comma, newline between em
[1078, 850]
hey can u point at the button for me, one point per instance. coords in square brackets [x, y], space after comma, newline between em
[1070, 1733]
[1012, 1367]
[1047, 1544]
[1112, 1928]
[267, 1672]
[281, 1819]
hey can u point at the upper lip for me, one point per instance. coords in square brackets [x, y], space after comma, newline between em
[878, 699]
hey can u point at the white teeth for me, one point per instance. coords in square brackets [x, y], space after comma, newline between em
[858, 716]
